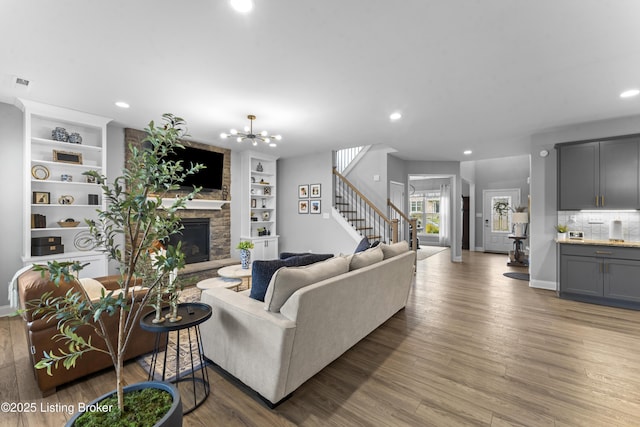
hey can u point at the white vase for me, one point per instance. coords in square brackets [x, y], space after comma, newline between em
[562, 236]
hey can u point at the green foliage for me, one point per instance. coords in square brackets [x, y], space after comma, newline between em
[133, 214]
[245, 244]
[432, 229]
[561, 228]
[142, 408]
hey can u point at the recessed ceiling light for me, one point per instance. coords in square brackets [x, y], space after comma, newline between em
[242, 6]
[629, 93]
[395, 116]
[122, 104]
[467, 152]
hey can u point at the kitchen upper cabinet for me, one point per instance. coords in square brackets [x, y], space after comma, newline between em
[603, 174]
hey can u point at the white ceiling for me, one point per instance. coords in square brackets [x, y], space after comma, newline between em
[478, 74]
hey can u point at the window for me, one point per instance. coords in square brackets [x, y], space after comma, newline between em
[425, 208]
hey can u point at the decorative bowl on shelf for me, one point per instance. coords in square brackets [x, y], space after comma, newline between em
[68, 223]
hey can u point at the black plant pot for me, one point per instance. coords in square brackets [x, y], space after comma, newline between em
[173, 418]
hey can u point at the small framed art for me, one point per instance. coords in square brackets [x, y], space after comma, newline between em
[266, 191]
[303, 191]
[314, 206]
[67, 157]
[41, 198]
[315, 191]
[303, 206]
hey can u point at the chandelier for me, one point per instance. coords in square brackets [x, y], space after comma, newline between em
[250, 136]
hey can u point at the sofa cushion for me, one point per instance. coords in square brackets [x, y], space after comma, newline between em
[394, 249]
[93, 288]
[366, 258]
[287, 280]
[362, 246]
[261, 272]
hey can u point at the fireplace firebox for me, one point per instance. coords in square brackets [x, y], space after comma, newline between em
[195, 239]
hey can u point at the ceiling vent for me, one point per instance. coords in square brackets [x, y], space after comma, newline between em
[21, 81]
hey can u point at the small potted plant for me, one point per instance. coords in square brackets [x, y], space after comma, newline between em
[245, 255]
[562, 231]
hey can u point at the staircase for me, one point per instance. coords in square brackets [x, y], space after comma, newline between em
[365, 218]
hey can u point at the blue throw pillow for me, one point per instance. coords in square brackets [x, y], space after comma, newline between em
[308, 258]
[261, 272]
[362, 246]
[285, 255]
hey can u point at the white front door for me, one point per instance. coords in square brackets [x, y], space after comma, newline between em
[498, 206]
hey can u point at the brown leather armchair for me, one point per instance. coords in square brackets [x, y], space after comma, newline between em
[41, 333]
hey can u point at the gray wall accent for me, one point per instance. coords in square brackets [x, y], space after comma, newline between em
[307, 232]
[544, 215]
[373, 164]
[11, 140]
[491, 174]
[396, 171]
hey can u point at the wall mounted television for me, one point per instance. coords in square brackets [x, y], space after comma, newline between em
[209, 178]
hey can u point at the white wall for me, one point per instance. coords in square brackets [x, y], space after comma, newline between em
[307, 232]
[544, 215]
[11, 177]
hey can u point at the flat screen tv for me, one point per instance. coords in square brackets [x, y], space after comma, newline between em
[209, 178]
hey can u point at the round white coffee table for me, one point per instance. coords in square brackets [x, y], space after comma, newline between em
[236, 272]
[219, 282]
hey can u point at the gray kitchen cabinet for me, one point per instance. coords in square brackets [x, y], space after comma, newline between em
[599, 174]
[600, 274]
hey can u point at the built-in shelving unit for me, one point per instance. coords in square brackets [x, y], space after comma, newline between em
[55, 188]
[258, 206]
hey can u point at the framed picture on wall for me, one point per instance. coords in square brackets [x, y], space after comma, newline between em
[303, 191]
[315, 190]
[314, 206]
[303, 206]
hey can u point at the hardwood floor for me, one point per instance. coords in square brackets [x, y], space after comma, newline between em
[472, 348]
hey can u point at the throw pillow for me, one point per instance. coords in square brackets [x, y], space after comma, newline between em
[93, 288]
[366, 258]
[362, 246]
[289, 279]
[261, 272]
[394, 249]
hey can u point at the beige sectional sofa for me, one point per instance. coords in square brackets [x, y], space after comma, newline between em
[311, 315]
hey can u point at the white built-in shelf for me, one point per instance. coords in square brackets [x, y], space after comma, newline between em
[65, 145]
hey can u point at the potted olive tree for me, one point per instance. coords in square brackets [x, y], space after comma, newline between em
[128, 230]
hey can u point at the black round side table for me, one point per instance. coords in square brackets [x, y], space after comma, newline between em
[193, 314]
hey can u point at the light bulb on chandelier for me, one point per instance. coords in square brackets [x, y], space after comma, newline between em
[252, 137]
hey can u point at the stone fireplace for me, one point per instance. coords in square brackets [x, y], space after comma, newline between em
[219, 219]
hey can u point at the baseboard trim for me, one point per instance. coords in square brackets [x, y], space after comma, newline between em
[543, 284]
[479, 249]
[7, 310]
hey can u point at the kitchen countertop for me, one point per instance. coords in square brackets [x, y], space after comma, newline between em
[626, 244]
